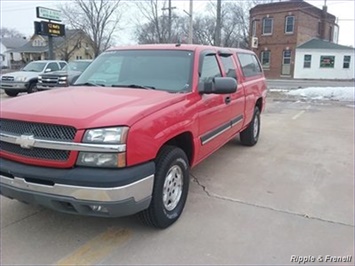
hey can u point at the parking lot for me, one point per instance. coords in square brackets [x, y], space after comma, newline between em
[290, 195]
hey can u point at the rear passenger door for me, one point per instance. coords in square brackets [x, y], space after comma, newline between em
[253, 80]
[237, 99]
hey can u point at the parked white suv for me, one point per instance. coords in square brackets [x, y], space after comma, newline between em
[26, 80]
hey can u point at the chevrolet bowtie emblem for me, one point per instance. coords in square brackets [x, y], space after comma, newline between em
[26, 141]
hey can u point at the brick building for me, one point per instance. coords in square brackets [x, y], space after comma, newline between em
[276, 29]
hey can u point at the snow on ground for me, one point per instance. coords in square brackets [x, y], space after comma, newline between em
[325, 93]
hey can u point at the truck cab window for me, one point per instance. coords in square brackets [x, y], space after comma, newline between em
[210, 69]
[229, 66]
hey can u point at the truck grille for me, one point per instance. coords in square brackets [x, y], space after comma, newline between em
[7, 78]
[50, 80]
[38, 130]
[36, 153]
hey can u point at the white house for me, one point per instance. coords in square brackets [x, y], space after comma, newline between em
[319, 59]
[9, 43]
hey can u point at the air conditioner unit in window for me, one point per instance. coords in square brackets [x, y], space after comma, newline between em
[254, 42]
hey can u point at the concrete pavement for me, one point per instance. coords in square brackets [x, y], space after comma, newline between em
[290, 195]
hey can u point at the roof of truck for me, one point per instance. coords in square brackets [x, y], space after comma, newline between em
[183, 47]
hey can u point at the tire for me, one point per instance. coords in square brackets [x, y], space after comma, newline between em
[250, 135]
[11, 93]
[170, 189]
[32, 87]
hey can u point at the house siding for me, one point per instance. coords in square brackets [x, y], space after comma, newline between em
[316, 72]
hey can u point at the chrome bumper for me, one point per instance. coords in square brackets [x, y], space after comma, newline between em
[138, 190]
[13, 85]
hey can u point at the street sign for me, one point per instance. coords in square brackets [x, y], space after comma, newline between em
[49, 28]
[47, 13]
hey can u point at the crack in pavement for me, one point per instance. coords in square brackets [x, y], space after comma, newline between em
[22, 219]
[216, 196]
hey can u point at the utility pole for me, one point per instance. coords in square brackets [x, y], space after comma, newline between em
[169, 8]
[50, 48]
[191, 24]
[217, 40]
[190, 40]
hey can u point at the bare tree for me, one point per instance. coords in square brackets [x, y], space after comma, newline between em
[7, 32]
[97, 18]
[156, 29]
[234, 23]
[68, 44]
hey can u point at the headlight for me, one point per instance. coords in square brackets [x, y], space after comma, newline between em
[98, 159]
[21, 79]
[113, 135]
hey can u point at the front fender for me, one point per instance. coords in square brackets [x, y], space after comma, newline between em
[147, 136]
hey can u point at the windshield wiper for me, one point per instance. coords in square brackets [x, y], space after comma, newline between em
[89, 84]
[135, 86]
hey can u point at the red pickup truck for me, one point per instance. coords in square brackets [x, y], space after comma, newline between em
[122, 139]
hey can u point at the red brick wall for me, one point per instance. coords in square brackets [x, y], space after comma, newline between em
[305, 28]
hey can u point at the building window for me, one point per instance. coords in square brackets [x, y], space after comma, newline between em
[307, 61]
[286, 57]
[265, 59]
[289, 24]
[267, 26]
[346, 62]
[79, 57]
[327, 61]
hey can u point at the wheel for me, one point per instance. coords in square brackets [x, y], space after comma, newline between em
[11, 93]
[32, 87]
[170, 188]
[250, 135]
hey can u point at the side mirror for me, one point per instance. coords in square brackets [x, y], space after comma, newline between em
[219, 85]
[48, 70]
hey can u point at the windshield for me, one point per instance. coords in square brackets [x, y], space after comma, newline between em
[35, 66]
[141, 69]
[76, 66]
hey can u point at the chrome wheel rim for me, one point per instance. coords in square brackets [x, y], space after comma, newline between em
[172, 189]
[256, 127]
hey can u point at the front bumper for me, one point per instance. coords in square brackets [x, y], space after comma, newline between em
[13, 85]
[87, 191]
[50, 87]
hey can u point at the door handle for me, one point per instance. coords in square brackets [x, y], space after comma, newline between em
[227, 100]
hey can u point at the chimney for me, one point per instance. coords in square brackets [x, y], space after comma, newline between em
[324, 19]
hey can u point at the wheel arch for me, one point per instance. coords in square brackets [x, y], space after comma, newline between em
[183, 141]
[259, 104]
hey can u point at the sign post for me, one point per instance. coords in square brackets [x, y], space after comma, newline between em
[49, 28]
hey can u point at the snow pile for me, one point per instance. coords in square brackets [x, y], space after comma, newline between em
[326, 93]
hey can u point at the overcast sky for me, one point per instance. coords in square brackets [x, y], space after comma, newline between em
[21, 14]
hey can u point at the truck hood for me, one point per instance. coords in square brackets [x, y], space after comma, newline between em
[88, 107]
[27, 74]
[62, 73]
